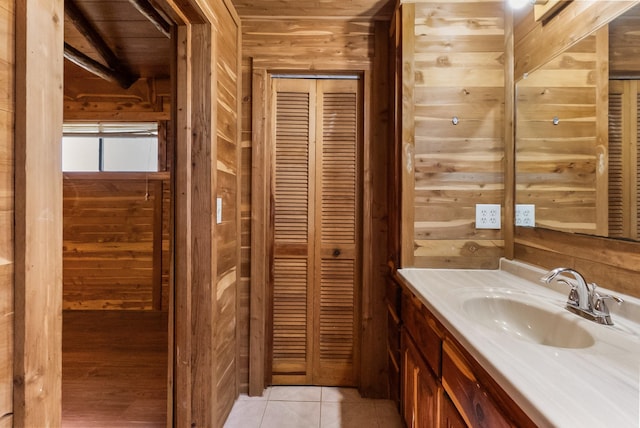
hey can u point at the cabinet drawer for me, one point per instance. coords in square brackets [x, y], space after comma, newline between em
[424, 331]
[472, 401]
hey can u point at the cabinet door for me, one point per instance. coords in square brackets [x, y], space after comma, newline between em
[409, 371]
[420, 388]
[472, 400]
[426, 398]
[449, 416]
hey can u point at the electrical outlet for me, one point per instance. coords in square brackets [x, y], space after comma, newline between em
[487, 216]
[525, 215]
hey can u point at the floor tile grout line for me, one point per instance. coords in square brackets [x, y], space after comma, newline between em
[264, 411]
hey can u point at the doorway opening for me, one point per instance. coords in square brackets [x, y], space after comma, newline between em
[116, 258]
[117, 160]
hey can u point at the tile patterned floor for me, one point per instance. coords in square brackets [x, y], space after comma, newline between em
[312, 407]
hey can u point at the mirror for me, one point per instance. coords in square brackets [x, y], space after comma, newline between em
[577, 117]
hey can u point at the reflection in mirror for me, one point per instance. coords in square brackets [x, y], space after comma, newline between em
[576, 155]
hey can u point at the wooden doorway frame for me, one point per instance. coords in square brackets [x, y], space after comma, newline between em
[37, 362]
[261, 235]
[37, 284]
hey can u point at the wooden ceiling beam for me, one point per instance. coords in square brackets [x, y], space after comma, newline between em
[87, 30]
[148, 11]
[80, 59]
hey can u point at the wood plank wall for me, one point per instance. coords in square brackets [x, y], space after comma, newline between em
[624, 60]
[110, 237]
[557, 164]
[7, 112]
[456, 53]
[227, 233]
[147, 100]
[536, 44]
[300, 44]
[612, 264]
[89, 98]
[327, 44]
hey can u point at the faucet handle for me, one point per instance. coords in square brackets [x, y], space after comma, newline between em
[573, 293]
[599, 303]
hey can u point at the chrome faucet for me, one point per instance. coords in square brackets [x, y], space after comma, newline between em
[583, 298]
[580, 293]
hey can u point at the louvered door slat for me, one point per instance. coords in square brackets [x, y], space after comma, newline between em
[337, 297]
[616, 204]
[292, 246]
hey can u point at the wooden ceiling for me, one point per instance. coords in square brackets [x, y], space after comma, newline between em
[309, 9]
[137, 43]
[144, 51]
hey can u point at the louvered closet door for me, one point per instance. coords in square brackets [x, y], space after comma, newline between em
[336, 263]
[624, 158]
[315, 267]
[292, 267]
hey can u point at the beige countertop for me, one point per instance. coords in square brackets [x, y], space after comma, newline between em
[596, 384]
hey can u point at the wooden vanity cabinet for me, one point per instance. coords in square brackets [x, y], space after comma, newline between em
[420, 388]
[468, 395]
[421, 362]
[449, 416]
[394, 351]
[441, 384]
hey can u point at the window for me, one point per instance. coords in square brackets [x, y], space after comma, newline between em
[114, 147]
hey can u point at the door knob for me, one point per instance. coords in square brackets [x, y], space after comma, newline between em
[336, 252]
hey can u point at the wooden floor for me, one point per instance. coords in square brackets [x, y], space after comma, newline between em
[114, 369]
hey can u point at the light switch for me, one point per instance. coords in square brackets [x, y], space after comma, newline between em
[218, 210]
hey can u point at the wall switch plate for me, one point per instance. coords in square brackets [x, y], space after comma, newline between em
[487, 216]
[525, 215]
[218, 210]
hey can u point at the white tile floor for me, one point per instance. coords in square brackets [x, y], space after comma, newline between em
[312, 407]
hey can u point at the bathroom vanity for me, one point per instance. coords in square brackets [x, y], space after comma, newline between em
[498, 348]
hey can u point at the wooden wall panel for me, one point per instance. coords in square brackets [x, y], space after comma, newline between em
[373, 381]
[564, 192]
[109, 237]
[458, 62]
[92, 99]
[371, 9]
[536, 44]
[624, 43]
[227, 232]
[7, 111]
[307, 44]
[610, 263]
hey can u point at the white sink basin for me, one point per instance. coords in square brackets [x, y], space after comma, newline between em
[528, 322]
